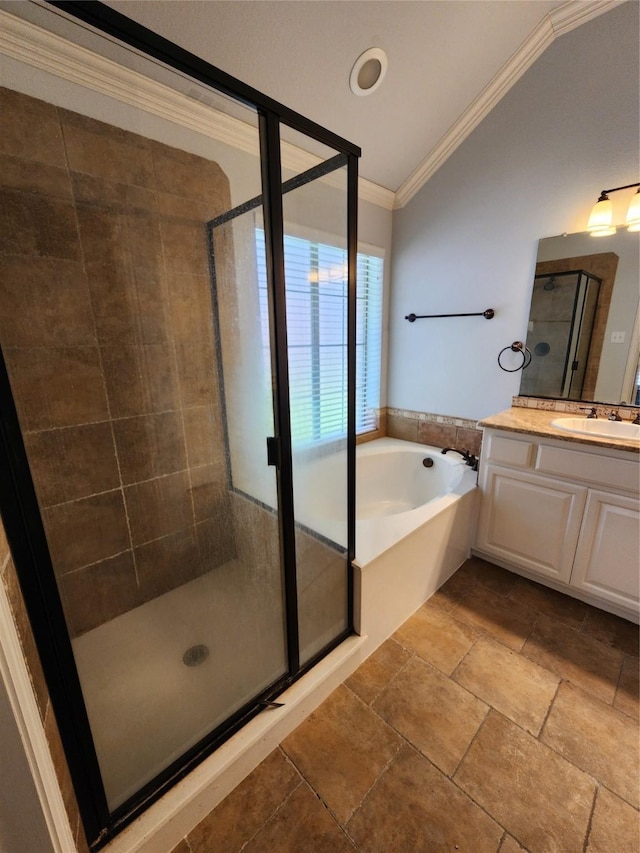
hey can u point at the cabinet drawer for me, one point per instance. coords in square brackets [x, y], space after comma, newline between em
[510, 451]
[588, 467]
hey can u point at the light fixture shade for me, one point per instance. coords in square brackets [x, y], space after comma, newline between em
[368, 71]
[633, 214]
[601, 218]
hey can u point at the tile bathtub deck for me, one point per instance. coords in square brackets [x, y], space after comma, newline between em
[502, 716]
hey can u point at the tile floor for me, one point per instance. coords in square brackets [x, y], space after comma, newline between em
[502, 716]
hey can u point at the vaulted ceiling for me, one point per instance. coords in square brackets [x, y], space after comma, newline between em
[449, 62]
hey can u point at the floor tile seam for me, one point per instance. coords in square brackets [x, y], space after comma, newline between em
[579, 632]
[542, 744]
[273, 814]
[496, 591]
[565, 678]
[591, 695]
[551, 704]
[462, 660]
[454, 782]
[615, 692]
[585, 619]
[334, 818]
[463, 623]
[585, 845]
[437, 671]
[515, 723]
[531, 630]
[406, 741]
[382, 689]
[470, 624]
[369, 707]
[438, 606]
[375, 782]
[609, 789]
[519, 653]
[489, 708]
[599, 783]
[290, 759]
[396, 734]
[536, 611]
[633, 716]
[450, 678]
[616, 643]
[485, 635]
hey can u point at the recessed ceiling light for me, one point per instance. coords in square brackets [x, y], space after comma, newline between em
[368, 71]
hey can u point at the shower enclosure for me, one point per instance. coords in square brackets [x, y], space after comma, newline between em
[177, 330]
[561, 320]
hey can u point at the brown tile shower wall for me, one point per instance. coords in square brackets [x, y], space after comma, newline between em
[437, 430]
[106, 325]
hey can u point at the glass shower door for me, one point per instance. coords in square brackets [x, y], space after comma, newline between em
[317, 304]
[179, 570]
[134, 412]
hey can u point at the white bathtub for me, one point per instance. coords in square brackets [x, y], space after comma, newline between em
[414, 529]
[396, 493]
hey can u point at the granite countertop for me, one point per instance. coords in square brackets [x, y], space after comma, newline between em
[538, 422]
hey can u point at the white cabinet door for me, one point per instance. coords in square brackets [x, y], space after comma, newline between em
[530, 521]
[607, 560]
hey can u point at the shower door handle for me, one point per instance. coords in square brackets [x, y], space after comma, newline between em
[273, 450]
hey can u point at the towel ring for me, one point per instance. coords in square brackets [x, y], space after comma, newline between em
[525, 352]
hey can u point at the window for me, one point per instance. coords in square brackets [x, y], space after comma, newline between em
[316, 288]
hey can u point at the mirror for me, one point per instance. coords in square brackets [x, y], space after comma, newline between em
[584, 324]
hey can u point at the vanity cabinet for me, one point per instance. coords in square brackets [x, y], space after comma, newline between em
[567, 515]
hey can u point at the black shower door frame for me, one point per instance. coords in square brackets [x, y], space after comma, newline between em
[19, 506]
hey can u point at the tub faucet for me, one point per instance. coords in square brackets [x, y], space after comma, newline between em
[469, 458]
[614, 416]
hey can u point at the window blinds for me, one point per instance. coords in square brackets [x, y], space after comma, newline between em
[316, 296]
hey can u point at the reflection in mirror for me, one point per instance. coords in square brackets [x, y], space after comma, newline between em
[583, 329]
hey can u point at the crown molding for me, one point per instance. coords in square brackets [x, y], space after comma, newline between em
[557, 23]
[49, 52]
[577, 12]
[39, 48]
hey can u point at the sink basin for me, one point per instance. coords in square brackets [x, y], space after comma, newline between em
[594, 426]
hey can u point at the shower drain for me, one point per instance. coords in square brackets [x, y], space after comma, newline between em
[195, 655]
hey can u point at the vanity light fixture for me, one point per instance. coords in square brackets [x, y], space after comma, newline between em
[601, 219]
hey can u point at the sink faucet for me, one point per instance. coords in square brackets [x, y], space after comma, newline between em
[614, 416]
[593, 412]
[469, 458]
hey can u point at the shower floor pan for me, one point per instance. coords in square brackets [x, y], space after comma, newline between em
[146, 705]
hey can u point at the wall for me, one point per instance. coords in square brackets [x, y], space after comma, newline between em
[17, 790]
[105, 323]
[241, 167]
[22, 822]
[468, 240]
